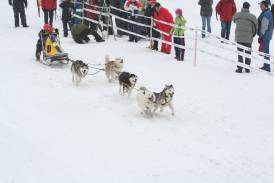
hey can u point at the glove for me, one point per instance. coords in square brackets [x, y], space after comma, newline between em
[56, 30]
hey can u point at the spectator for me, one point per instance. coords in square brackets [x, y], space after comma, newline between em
[67, 9]
[78, 6]
[90, 5]
[80, 33]
[206, 13]
[119, 4]
[149, 12]
[178, 32]
[48, 7]
[246, 29]
[162, 14]
[266, 26]
[133, 7]
[19, 9]
[226, 9]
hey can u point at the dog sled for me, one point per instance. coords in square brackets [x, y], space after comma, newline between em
[52, 50]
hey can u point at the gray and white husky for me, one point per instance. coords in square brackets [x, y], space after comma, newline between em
[164, 99]
[79, 70]
[150, 102]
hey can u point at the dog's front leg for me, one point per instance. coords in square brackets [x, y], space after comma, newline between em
[73, 78]
[172, 108]
[119, 89]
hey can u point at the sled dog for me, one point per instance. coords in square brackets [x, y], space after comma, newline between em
[127, 82]
[164, 99]
[113, 68]
[79, 70]
[146, 101]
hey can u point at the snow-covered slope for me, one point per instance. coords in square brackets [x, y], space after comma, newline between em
[51, 131]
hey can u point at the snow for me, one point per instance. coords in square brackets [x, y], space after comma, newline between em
[52, 131]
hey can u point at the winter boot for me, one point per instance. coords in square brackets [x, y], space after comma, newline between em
[266, 67]
[239, 70]
[37, 56]
[247, 70]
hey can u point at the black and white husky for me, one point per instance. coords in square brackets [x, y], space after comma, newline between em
[150, 102]
[127, 82]
[164, 99]
[79, 70]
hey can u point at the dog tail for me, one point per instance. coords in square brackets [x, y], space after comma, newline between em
[107, 59]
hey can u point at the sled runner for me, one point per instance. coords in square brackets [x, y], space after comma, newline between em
[52, 50]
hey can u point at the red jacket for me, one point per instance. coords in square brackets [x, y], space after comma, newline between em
[48, 4]
[90, 14]
[165, 16]
[226, 9]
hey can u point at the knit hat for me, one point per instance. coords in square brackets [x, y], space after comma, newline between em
[179, 11]
[48, 28]
[246, 5]
[266, 3]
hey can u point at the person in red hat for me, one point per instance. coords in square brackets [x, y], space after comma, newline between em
[178, 33]
[48, 7]
[162, 14]
[44, 33]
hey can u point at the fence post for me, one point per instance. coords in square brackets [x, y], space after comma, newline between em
[83, 12]
[151, 33]
[196, 47]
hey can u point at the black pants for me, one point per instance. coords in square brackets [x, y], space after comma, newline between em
[240, 57]
[65, 27]
[155, 34]
[19, 12]
[48, 14]
[179, 51]
[134, 29]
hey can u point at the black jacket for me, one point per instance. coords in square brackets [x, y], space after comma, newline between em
[18, 4]
[67, 9]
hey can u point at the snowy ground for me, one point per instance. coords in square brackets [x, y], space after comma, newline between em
[51, 131]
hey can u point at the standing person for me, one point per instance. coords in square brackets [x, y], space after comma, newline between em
[178, 32]
[78, 6]
[162, 14]
[48, 7]
[119, 4]
[133, 7]
[19, 9]
[67, 9]
[149, 13]
[226, 9]
[90, 5]
[206, 14]
[246, 29]
[265, 32]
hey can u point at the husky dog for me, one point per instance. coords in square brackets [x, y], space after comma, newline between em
[127, 82]
[113, 68]
[79, 70]
[164, 99]
[146, 101]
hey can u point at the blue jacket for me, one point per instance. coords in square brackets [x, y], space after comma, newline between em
[266, 26]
